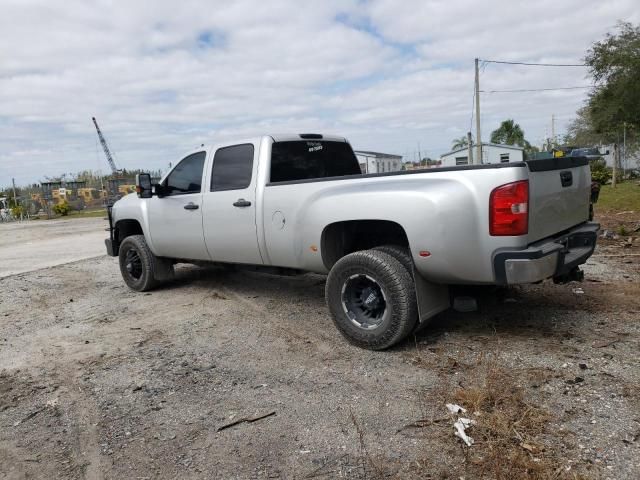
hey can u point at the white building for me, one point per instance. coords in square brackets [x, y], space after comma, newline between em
[376, 162]
[608, 152]
[491, 153]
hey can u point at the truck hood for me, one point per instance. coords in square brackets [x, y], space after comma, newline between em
[127, 201]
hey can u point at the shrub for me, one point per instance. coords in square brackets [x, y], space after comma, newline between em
[63, 208]
[600, 172]
[17, 211]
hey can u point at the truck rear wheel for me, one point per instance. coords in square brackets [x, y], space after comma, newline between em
[399, 253]
[371, 297]
[140, 268]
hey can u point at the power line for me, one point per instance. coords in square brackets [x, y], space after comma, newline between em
[535, 89]
[537, 64]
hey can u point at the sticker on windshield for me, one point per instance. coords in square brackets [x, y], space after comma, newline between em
[314, 146]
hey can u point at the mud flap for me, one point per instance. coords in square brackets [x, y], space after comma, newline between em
[432, 298]
[163, 269]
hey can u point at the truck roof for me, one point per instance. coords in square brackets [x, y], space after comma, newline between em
[292, 137]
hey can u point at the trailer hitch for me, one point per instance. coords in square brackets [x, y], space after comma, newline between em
[575, 275]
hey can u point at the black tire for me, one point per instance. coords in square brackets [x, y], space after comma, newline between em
[371, 297]
[399, 253]
[141, 269]
[403, 255]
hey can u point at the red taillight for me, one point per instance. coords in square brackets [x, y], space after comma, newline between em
[509, 209]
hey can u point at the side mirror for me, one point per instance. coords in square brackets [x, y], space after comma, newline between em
[143, 185]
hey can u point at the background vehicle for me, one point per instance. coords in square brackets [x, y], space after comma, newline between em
[390, 243]
[588, 153]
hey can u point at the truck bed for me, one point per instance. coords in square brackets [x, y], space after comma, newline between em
[443, 210]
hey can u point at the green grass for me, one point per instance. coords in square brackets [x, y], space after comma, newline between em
[625, 197]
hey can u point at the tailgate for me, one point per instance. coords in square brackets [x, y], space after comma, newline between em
[559, 195]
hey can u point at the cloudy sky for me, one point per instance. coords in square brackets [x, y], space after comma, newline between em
[164, 76]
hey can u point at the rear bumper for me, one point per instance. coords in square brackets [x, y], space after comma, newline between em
[552, 257]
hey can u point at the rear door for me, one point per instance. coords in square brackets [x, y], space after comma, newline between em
[175, 220]
[229, 206]
[559, 195]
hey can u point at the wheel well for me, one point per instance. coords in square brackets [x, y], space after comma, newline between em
[126, 228]
[342, 238]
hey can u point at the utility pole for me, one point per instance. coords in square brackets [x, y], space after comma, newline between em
[15, 202]
[469, 148]
[545, 145]
[478, 139]
[553, 130]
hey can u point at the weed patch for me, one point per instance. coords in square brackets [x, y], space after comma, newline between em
[513, 434]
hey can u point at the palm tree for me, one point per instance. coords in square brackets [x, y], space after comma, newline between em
[459, 143]
[509, 133]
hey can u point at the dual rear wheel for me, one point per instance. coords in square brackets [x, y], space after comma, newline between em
[371, 297]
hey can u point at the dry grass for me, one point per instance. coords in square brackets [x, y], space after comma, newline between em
[512, 434]
[508, 427]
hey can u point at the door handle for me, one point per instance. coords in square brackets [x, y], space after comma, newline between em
[191, 206]
[241, 202]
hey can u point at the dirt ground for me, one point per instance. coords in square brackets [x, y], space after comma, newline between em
[242, 375]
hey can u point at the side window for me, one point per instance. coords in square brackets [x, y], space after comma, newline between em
[187, 176]
[232, 168]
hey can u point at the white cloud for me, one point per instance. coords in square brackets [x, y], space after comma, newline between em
[162, 77]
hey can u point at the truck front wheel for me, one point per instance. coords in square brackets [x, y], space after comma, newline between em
[140, 268]
[371, 297]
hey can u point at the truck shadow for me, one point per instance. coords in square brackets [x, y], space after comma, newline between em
[538, 311]
[306, 288]
[551, 312]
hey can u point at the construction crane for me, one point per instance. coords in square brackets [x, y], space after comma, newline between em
[105, 147]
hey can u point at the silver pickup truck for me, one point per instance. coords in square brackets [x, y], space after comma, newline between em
[391, 243]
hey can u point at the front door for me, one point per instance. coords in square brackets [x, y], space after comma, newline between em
[175, 219]
[229, 206]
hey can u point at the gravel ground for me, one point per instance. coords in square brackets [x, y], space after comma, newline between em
[97, 381]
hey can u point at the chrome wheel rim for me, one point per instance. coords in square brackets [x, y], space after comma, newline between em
[364, 302]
